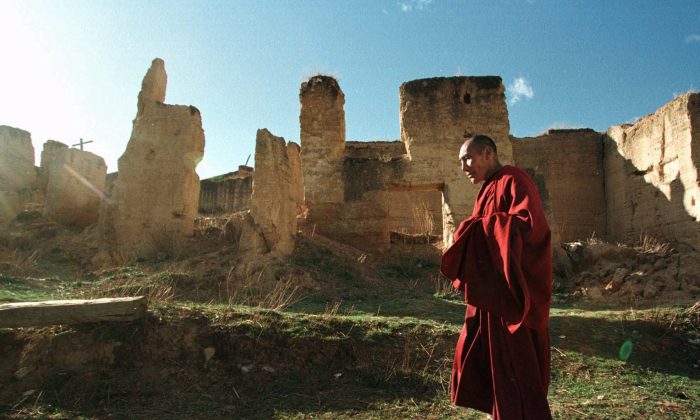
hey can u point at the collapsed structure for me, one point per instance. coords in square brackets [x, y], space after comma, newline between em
[633, 180]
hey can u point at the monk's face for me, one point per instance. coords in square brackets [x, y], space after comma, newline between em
[476, 164]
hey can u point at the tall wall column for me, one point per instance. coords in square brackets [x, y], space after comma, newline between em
[322, 123]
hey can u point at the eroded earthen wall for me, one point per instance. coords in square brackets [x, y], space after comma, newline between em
[567, 167]
[370, 169]
[17, 173]
[73, 182]
[322, 122]
[228, 193]
[435, 114]
[415, 212]
[156, 193]
[273, 204]
[651, 172]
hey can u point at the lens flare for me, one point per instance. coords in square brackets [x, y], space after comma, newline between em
[88, 184]
[626, 350]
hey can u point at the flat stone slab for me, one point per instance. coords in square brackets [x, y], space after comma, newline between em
[52, 312]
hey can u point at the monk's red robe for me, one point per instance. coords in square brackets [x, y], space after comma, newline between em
[501, 258]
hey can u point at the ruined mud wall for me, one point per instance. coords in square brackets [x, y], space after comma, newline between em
[156, 194]
[73, 182]
[322, 122]
[415, 212]
[374, 173]
[17, 173]
[369, 171]
[567, 167]
[651, 172]
[227, 193]
[435, 114]
[349, 187]
[339, 203]
[272, 225]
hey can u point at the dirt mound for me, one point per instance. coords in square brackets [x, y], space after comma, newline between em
[646, 272]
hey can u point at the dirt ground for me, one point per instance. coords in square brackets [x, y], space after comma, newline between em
[329, 332]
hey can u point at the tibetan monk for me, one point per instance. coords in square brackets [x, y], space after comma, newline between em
[501, 259]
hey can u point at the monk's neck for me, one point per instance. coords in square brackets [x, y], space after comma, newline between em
[492, 170]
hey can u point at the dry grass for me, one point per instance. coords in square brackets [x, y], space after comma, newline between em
[18, 263]
[594, 240]
[422, 219]
[251, 291]
[650, 245]
[444, 288]
[332, 310]
[156, 290]
[166, 242]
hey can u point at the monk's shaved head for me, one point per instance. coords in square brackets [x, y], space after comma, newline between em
[480, 141]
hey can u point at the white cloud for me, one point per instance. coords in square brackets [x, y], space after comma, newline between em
[411, 5]
[692, 38]
[520, 88]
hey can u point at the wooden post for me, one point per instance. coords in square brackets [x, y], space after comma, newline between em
[52, 312]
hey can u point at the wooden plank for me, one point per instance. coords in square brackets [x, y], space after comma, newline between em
[52, 312]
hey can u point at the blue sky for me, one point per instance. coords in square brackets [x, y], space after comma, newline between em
[72, 69]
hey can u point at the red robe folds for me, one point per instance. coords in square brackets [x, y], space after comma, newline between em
[501, 259]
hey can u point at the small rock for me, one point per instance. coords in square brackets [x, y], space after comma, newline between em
[268, 369]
